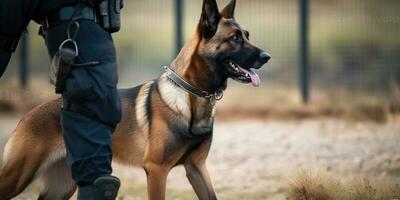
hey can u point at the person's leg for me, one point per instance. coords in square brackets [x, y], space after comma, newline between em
[88, 145]
[91, 104]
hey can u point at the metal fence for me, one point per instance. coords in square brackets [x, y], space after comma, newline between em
[348, 45]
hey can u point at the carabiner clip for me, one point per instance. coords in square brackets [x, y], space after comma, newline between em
[71, 41]
[76, 23]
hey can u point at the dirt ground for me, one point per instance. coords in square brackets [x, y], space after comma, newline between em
[255, 159]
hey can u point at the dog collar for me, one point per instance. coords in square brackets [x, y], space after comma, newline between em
[217, 95]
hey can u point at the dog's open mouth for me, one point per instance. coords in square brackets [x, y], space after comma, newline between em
[243, 75]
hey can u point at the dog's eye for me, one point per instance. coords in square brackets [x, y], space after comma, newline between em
[236, 38]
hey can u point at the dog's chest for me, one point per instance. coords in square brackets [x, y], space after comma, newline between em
[182, 141]
[191, 117]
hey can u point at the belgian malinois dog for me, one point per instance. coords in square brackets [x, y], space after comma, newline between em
[166, 122]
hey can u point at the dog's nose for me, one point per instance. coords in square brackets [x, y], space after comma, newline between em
[264, 57]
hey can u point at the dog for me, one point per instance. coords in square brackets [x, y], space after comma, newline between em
[166, 122]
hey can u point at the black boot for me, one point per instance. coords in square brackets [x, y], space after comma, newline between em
[103, 188]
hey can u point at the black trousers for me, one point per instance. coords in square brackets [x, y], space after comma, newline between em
[92, 106]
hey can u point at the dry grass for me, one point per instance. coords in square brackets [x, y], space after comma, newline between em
[320, 186]
[284, 103]
[394, 106]
[368, 112]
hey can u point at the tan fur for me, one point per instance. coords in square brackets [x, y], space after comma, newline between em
[57, 182]
[141, 115]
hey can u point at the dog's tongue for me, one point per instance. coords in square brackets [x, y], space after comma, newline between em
[255, 79]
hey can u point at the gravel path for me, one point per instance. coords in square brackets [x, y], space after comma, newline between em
[255, 159]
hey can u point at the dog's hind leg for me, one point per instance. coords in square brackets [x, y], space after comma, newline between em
[22, 159]
[57, 182]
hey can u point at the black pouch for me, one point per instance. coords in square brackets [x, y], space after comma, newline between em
[66, 59]
[110, 11]
[61, 68]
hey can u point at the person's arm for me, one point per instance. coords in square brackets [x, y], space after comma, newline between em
[14, 17]
[7, 47]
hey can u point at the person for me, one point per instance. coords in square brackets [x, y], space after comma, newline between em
[91, 105]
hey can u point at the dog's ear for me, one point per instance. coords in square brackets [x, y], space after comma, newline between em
[210, 17]
[229, 11]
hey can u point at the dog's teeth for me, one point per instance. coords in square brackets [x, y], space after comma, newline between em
[234, 66]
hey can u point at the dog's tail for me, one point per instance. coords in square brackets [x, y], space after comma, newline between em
[22, 159]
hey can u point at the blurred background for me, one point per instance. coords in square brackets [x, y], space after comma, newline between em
[330, 96]
[352, 51]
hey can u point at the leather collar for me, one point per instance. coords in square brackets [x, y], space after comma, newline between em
[217, 95]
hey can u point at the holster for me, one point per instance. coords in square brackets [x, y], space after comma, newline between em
[63, 62]
[109, 11]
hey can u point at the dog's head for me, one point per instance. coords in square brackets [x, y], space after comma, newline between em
[226, 47]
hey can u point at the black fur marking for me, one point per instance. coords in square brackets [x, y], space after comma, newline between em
[149, 112]
[130, 94]
[176, 142]
[193, 146]
[180, 137]
[210, 17]
[199, 126]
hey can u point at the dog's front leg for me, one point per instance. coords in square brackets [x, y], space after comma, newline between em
[156, 181]
[197, 172]
[200, 180]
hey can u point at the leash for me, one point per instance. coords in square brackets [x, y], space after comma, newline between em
[212, 96]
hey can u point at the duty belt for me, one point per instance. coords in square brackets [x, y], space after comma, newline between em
[69, 13]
